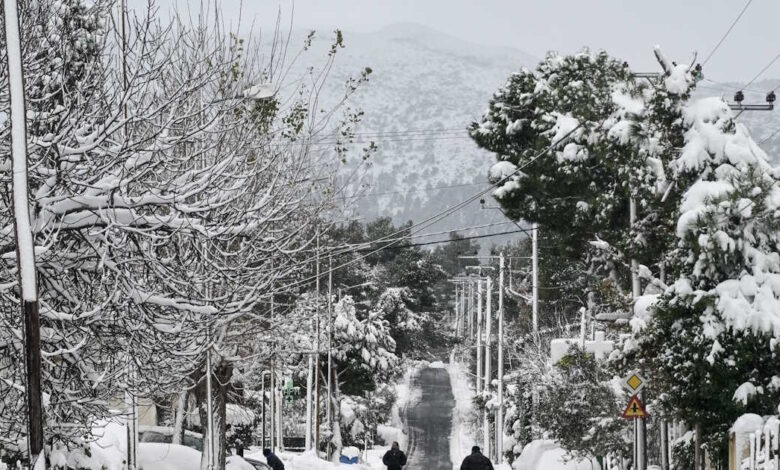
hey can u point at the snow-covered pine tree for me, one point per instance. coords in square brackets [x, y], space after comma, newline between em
[709, 340]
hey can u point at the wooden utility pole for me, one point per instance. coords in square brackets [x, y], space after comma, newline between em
[25, 248]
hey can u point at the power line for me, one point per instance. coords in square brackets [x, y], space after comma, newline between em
[417, 190]
[771, 62]
[436, 217]
[777, 131]
[728, 31]
[414, 132]
[726, 87]
[472, 237]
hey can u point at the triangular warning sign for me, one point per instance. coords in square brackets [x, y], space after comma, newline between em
[635, 409]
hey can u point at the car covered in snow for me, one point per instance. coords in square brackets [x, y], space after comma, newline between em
[164, 434]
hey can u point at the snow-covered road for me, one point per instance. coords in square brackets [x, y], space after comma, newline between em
[429, 421]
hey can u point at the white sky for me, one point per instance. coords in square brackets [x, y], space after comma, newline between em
[627, 29]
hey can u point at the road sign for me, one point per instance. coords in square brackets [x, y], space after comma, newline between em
[635, 409]
[634, 383]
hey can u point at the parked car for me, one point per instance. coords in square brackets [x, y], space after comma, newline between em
[164, 434]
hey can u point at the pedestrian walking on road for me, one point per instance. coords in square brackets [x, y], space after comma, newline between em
[476, 461]
[394, 458]
[272, 460]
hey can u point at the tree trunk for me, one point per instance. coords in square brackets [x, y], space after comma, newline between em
[337, 439]
[178, 422]
[221, 375]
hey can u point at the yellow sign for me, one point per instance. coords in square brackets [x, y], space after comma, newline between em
[634, 383]
[635, 409]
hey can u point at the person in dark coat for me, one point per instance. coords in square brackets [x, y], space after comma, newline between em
[394, 459]
[272, 460]
[476, 461]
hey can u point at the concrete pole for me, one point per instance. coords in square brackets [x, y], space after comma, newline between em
[471, 310]
[479, 335]
[330, 347]
[488, 333]
[262, 394]
[316, 420]
[664, 445]
[462, 322]
[636, 292]
[275, 405]
[279, 422]
[209, 404]
[272, 407]
[535, 279]
[460, 297]
[309, 385]
[500, 410]
[485, 421]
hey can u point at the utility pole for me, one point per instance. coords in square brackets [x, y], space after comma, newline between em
[209, 401]
[309, 384]
[272, 408]
[316, 420]
[500, 409]
[479, 335]
[485, 422]
[471, 310]
[462, 315]
[640, 424]
[279, 421]
[330, 349]
[535, 279]
[457, 309]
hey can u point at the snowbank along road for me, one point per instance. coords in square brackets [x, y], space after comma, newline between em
[429, 421]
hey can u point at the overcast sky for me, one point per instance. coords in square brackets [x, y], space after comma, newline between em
[625, 28]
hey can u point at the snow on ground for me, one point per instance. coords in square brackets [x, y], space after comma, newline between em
[462, 436]
[406, 396]
[547, 455]
[161, 456]
[310, 461]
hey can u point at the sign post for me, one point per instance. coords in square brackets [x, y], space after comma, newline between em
[635, 411]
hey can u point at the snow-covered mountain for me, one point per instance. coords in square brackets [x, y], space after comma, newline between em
[425, 89]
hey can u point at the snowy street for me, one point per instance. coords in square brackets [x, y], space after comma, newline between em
[429, 421]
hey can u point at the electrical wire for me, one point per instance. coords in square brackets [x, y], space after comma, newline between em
[416, 190]
[770, 136]
[728, 31]
[436, 217]
[472, 237]
[771, 62]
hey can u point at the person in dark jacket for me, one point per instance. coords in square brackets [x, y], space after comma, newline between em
[272, 460]
[476, 461]
[394, 459]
